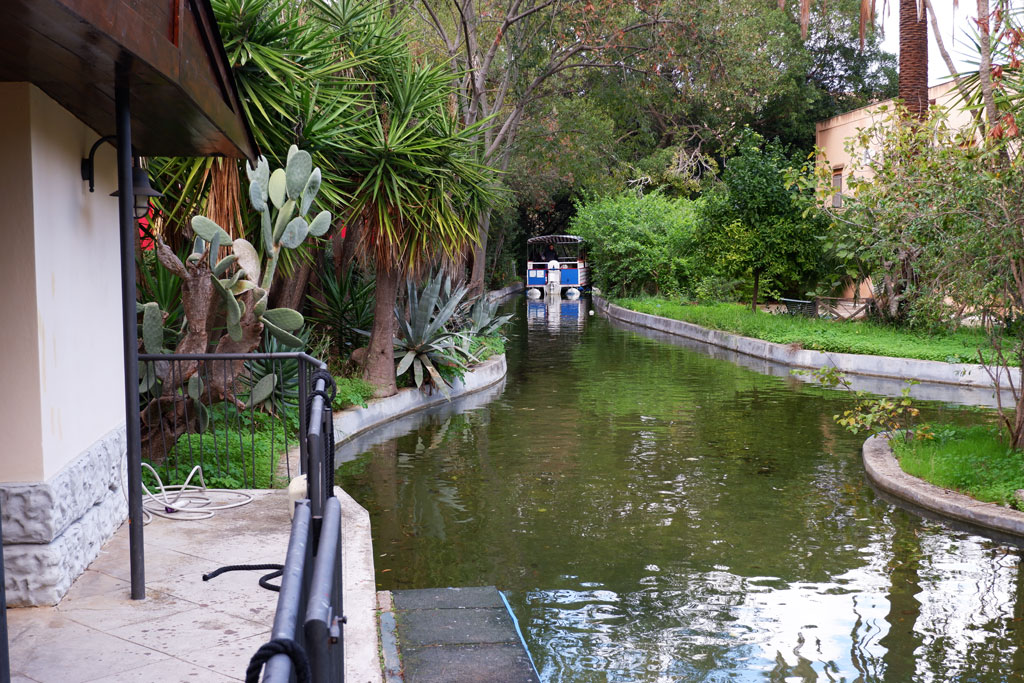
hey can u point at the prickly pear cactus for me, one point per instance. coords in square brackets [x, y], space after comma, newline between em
[241, 280]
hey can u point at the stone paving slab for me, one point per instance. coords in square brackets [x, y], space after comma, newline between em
[187, 629]
[493, 663]
[448, 598]
[459, 635]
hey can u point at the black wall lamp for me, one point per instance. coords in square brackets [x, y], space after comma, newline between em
[141, 187]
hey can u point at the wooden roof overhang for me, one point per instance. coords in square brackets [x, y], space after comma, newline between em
[168, 52]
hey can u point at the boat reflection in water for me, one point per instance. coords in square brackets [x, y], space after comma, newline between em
[555, 314]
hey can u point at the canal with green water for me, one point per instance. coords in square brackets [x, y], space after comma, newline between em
[653, 513]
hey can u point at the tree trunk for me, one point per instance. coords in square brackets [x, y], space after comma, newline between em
[1017, 431]
[985, 64]
[902, 640]
[913, 81]
[476, 278]
[348, 245]
[380, 356]
[291, 292]
[753, 299]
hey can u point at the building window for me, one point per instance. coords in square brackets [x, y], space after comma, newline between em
[837, 187]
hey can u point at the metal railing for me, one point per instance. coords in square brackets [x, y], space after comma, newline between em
[308, 619]
[196, 409]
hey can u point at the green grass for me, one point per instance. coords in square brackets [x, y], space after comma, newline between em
[861, 337]
[972, 460]
[352, 391]
[231, 462]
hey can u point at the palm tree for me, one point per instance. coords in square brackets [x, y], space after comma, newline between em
[289, 72]
[913, 83]
[913, 80]
[411, 175]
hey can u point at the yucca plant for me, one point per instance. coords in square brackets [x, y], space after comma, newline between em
[411, 170]
[343, 305]
[423, 340]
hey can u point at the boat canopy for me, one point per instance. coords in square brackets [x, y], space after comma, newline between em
[555, 239]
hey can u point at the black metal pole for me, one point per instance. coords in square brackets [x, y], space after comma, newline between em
[129, 322]
[5, 656]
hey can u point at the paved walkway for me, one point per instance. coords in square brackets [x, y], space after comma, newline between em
[456, 635]
[186, 629]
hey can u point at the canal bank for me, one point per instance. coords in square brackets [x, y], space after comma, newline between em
[958, 375]
[884, 471]
[949, 382]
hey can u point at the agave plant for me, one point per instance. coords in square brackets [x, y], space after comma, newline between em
[423, 341]
[482, 321]
[274, 384]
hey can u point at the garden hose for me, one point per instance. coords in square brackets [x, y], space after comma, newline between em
[187, 502]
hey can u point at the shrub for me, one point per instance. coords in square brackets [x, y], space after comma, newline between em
[638, 244]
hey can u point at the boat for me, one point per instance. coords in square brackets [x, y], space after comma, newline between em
[564, 273]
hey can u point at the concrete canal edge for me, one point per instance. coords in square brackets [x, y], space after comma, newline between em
[378, 411]
[885, 473]
[499, 294]
[927, 371]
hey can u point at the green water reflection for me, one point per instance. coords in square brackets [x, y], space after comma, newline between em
[655, 514]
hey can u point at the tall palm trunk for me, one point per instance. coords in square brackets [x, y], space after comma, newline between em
[478, 257]
[913, 86]
[379, 369]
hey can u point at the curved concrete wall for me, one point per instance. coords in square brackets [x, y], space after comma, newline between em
[884, 472]
[934, 372]
[356, 420]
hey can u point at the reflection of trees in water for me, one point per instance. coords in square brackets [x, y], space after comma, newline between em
[968, 600]
[902, 640]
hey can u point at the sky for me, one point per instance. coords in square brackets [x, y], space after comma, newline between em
[955, 25]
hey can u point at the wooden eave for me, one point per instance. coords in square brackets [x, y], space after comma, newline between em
[183, 98]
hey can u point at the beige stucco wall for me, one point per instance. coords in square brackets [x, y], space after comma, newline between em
[832, 134]
[62, 374]
[20, 422]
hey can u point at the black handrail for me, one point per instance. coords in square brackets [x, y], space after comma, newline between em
[317, 569]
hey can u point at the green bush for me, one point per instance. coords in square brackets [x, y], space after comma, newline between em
[638, 244]
[755, 227]
[235, 461]
[352, 391]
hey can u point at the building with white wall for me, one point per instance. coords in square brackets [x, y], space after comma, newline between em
[62, 373]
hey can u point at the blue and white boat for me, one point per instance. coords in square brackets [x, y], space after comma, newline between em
[556, 266]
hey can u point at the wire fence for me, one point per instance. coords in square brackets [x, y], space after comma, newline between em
[238, 416]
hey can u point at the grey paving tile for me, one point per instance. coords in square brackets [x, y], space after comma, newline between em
[230, 659]
[236, 593]
[160, 562]
[468, 664]
[184, 633]
[432, 598]
[169, 670]
[449, 626]
[51, 648]
[108, 612]
[95, 583]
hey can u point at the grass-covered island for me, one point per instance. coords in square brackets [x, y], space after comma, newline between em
[975, 461]
[861, 337]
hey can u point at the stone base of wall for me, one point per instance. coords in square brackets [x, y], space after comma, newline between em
[52, 530]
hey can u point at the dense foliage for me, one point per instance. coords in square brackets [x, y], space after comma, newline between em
[941, 226]
[638, 243]
[754, 226]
